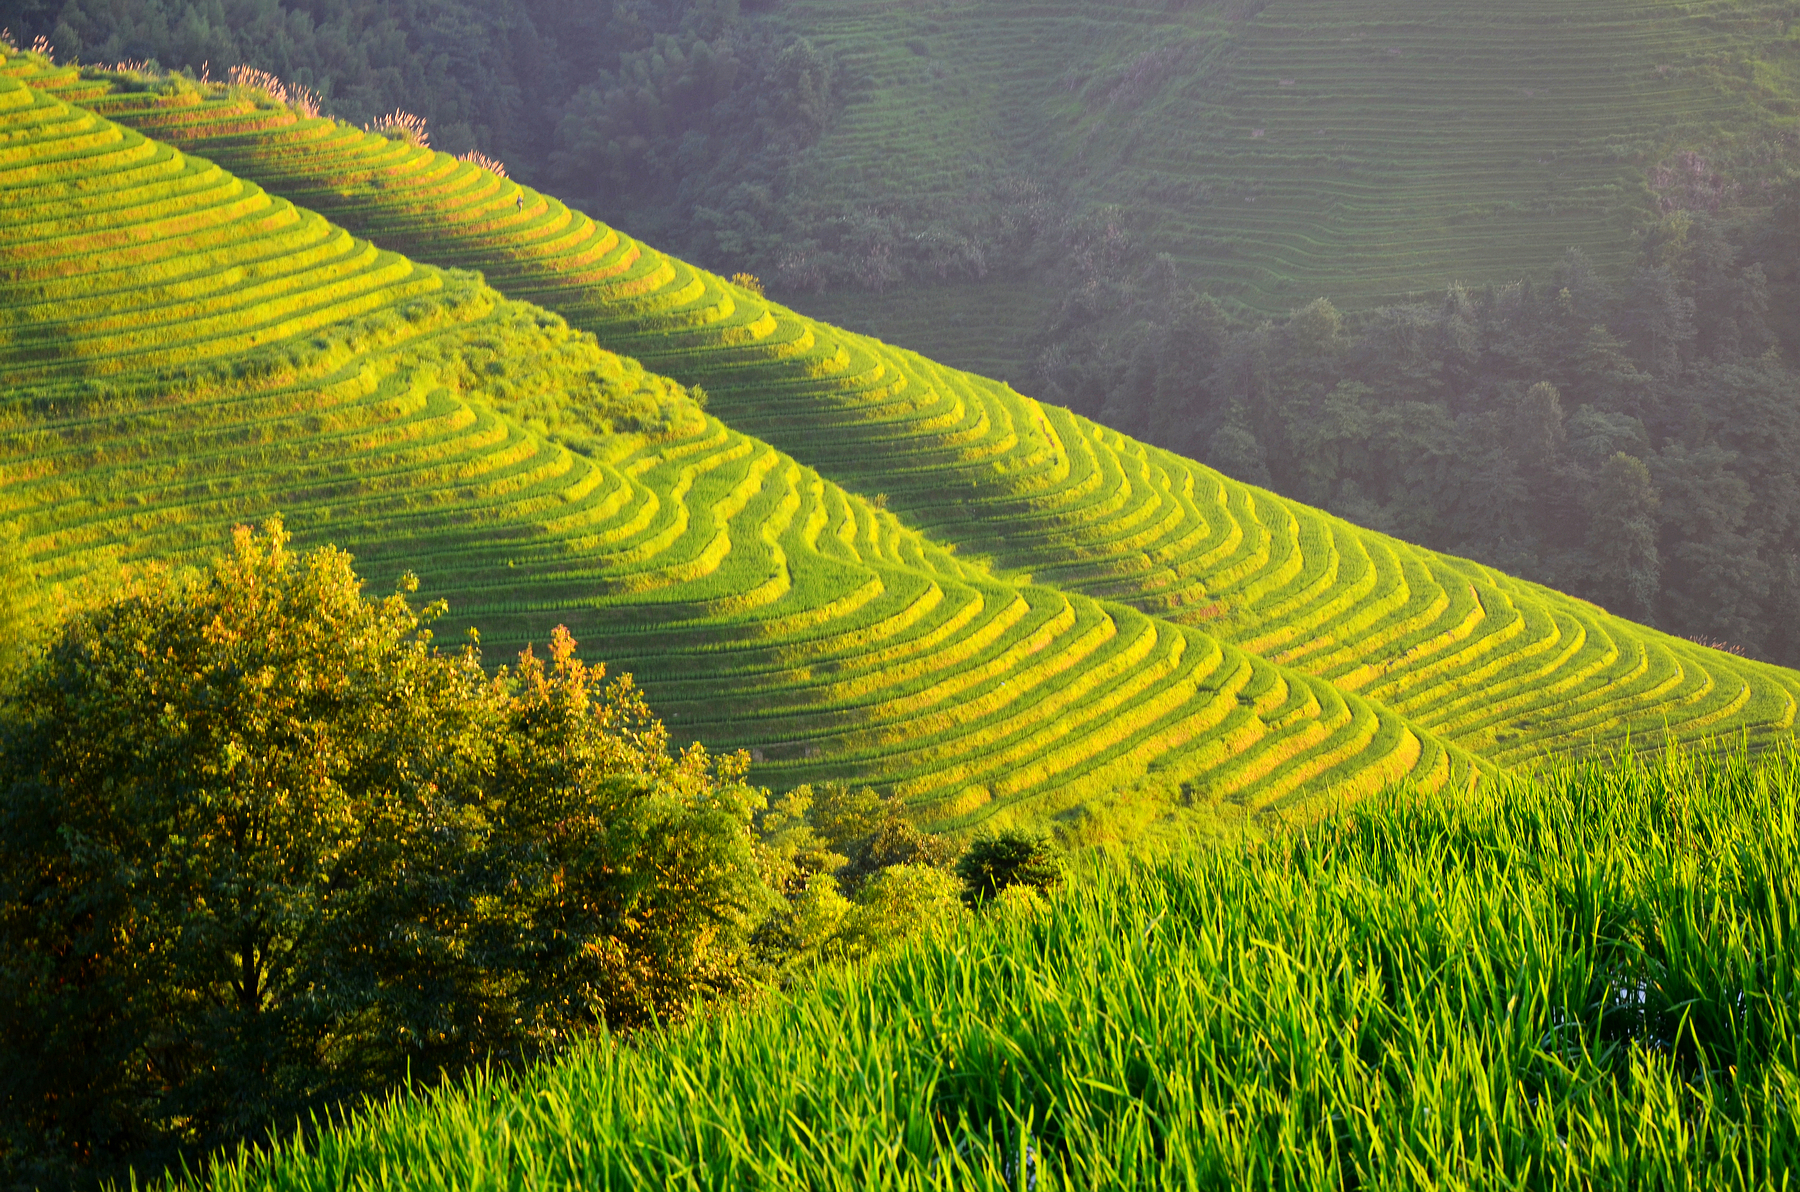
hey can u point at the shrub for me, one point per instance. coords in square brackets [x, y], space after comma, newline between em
[856, 876]
[1009, 858]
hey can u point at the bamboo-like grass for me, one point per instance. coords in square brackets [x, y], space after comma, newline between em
[1585, 979]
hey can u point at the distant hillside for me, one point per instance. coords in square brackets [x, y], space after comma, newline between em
[1506, 669]
[862, 156]
[185, 351]
[1277, 150]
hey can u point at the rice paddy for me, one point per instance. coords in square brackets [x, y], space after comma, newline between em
[186, 350]
[1366, 150]
[1506, 669]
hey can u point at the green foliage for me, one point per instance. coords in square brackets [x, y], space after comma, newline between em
[857, 875]
[1581, 980]
[1622, 533]
[1003, 860]
[264, 848]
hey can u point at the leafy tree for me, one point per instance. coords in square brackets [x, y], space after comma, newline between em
[857, 875]
[1541, 434]
[1009, 858]
[630, 874]
[896, 903]
[264, 847]
[1622, 534]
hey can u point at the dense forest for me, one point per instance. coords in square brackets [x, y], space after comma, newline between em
[1631, 443]
[1634, 445]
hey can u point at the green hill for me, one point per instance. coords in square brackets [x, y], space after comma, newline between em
[1365, 150]
[185, 351]
[1504, 668]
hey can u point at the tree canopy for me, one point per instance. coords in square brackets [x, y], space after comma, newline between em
[263, 846]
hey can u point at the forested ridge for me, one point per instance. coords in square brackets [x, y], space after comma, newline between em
[654, 106]
[1631, 444]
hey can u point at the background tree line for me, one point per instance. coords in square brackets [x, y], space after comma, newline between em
[684, 121]
[265, 849]
[678, 119]
[1634, 445]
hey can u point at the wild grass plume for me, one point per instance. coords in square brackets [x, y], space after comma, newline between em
[401, 126]
[482, 161]
[303, 100]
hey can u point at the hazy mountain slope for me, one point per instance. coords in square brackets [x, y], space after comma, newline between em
[1504, 667]
[1284, 149]
[185, 351]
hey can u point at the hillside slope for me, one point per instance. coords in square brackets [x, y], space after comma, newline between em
[185, 351]
[1502, 667]
[1280, 150]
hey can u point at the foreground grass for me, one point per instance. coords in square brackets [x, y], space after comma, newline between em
[1587, 980]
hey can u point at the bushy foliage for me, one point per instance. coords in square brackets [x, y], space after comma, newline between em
[262, 846]
[1007, 860]
[855, 873]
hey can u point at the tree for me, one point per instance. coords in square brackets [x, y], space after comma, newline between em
[1622, 536]
[203, 784]
[628, 876]
[1540, 433]
[1001, 860]
[264, 847]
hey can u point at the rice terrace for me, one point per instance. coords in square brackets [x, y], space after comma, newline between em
[710, 594]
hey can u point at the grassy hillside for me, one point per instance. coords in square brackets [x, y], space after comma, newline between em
[1504, 668]
[1282, 150]
[1552, 988]
[185, 351]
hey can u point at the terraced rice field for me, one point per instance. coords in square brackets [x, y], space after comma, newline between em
[184, 350]
[1504, 668]
[1364, 149]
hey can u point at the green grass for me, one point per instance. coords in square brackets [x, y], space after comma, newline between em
[1506, 669]
[1582, 980]
[186, 351]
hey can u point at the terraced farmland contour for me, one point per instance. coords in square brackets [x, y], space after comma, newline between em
[185, 350]
[1366, 150]
[1508, 669]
